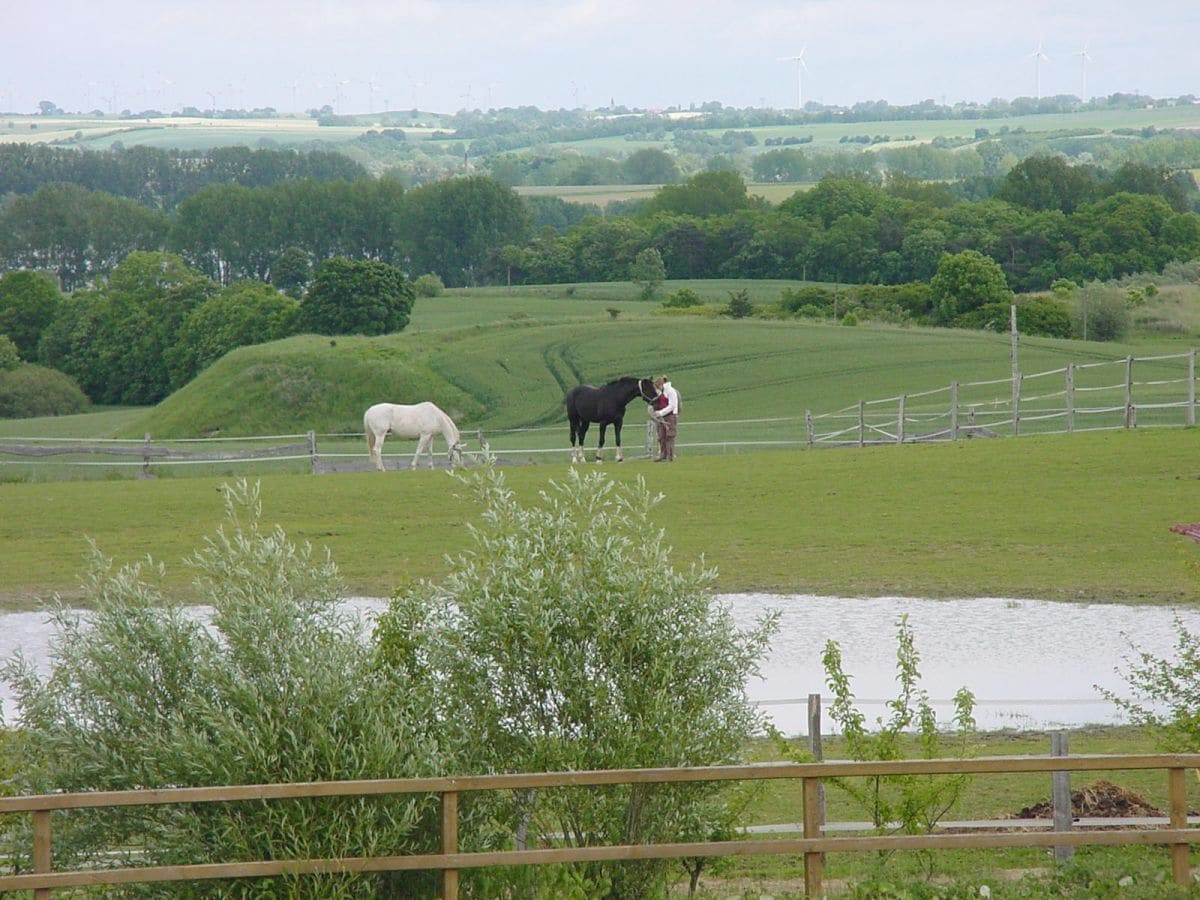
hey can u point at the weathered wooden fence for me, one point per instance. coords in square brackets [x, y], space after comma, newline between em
[1136, 392]
[144, 453]
[450, 861]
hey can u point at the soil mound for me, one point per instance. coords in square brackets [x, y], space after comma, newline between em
[1100, 799]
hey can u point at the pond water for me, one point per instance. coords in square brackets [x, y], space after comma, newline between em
[1031, 664]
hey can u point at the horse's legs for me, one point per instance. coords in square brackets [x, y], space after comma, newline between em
[377, 451]
[581, 430]
[600, 446]
[421, 442]
[617, 435]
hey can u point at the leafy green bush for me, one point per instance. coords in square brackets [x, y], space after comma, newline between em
[682, 299]
[429, 285]
[357, 296]
[10, 357]
[30, 390]
[912, 803]
[1035, 315]
[1165, 692]
[1100, 313]
[565, 639]
[740, 304]
[280, 688]
[247, 312]
[807, 296]
[29, 301]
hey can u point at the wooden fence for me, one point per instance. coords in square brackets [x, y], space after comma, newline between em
[143, 453]
[450, 861]
[1135, 392]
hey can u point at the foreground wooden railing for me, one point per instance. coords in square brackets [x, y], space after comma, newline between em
[812, 845]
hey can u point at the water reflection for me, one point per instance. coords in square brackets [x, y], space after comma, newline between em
[1030, 663]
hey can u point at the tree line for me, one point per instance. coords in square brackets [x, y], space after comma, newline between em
[161, 178]
[1046, 220]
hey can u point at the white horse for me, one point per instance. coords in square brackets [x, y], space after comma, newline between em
[421, 420]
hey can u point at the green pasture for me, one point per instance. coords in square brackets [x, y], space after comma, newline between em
[178, 132]
[497, 360]
[827, 135]
[603, 194]
[1082, 517]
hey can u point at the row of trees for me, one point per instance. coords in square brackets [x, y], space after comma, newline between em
[543, 650]
[162, 178]
[854, 230]
[1048, 220]
[155, 322]
[274, 234]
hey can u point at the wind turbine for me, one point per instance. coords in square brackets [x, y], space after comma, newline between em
[1084, 59]
[801, 68]
[1038, 56]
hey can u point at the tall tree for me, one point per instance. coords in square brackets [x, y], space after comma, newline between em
[451, 227]
[114, 339]
[29, 302]
[357, 296]
[248, 312]
[964, 282]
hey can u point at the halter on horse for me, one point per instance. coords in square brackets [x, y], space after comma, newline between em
[421, 420]
[604, 405]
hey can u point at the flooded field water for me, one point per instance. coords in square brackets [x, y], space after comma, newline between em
[1031, 664]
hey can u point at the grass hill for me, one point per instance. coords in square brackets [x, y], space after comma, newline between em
[495, 359]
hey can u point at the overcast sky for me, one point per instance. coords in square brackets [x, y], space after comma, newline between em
[360, 55]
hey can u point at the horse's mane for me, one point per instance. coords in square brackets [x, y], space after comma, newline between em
[619, 380]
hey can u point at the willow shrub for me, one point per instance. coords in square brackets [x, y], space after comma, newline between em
[280, 687]
[564, 639]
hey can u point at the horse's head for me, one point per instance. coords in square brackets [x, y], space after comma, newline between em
[647, 390]
[456, 453]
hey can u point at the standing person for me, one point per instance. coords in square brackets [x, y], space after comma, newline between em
[666, 414]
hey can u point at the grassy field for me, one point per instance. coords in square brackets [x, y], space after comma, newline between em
[497, 360]
[603, 194]
[1082, 517]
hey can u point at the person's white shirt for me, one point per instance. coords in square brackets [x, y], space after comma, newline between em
[672, 401]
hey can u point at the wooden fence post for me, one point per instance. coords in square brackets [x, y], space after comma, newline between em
[1060, 793]
[1016, 404]
[1177, 798]
[954, 410]
[1191, 394]
[312, 451]
[650, 439]
[813, 863]
[814, 746]
[808, 427]
[1070, 388]
[450, 843]
[43, 857]
[1130, 416]
[862, 423]
[900, 420]
[146, 457]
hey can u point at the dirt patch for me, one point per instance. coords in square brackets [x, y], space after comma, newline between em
[1100, 799]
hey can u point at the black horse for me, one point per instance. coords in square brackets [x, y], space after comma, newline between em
[605, 405]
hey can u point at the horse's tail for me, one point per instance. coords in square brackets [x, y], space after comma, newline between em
[370, 435]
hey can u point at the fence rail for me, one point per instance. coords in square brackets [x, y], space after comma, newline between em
[1134, 392]
[43, 879]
